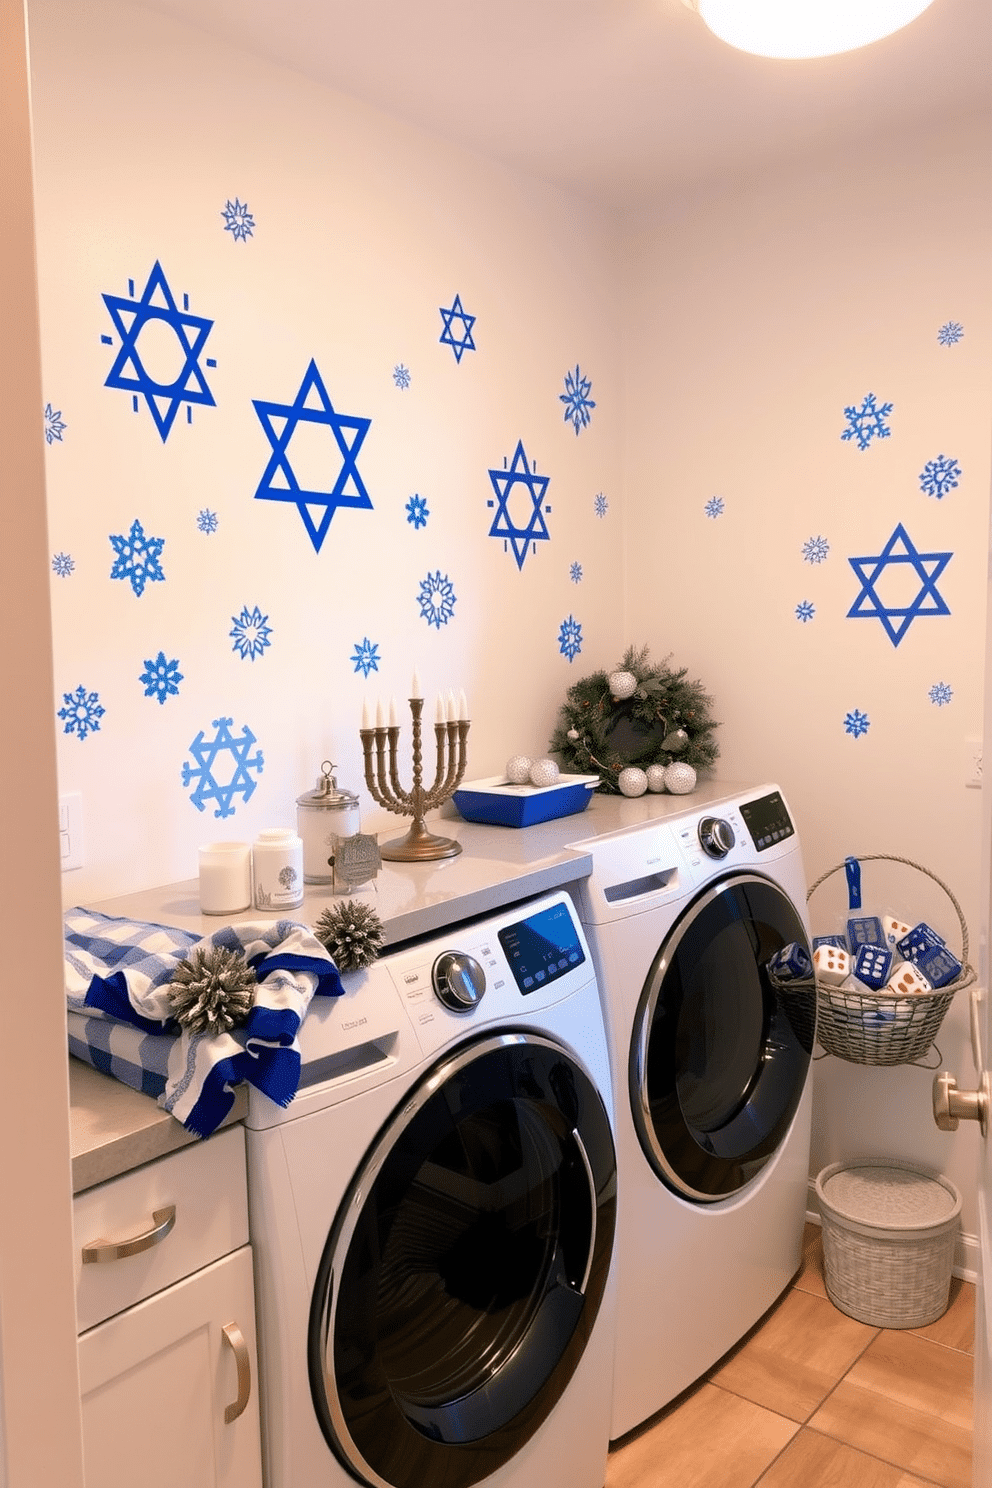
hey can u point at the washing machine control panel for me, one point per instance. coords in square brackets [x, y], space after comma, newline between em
[716, 836]
[459, 981]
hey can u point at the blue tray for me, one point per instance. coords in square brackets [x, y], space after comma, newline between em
[501, 804]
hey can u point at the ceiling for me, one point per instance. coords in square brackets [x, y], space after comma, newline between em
[628, 103]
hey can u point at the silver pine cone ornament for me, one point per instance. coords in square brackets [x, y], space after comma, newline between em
[352, 932]
[212, 990]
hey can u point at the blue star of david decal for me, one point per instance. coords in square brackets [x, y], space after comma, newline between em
[448, 337]
[279, 482]
[899, 554]
[520, 538]
[130, 317]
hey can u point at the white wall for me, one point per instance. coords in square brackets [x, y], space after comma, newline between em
[363, 230]
[751, 322]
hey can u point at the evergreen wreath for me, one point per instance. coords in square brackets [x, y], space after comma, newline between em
[640, 714]
[213, 990]
[352, 932]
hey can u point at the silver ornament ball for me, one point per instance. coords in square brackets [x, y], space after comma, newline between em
[544, 772]
[680, 779]
[518, 769]
[622, 685]
[656, 777]
[632, 781]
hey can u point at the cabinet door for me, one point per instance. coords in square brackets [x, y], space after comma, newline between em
[158, 1380]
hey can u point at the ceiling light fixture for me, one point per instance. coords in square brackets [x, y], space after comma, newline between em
[805, 28]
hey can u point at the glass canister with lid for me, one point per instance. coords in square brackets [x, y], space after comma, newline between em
[322, 814]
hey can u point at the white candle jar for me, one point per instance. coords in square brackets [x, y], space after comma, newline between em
[322, 815]
[225, 877]
[277, 869]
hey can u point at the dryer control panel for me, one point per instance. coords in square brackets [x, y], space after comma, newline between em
[767, 820]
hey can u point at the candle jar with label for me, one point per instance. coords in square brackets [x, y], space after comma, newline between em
[322, 815]
[277, 869]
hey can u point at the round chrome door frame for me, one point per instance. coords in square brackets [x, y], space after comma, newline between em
[801, 1016]
[476, 1456]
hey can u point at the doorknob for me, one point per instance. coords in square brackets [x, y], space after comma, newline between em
[951, 1105]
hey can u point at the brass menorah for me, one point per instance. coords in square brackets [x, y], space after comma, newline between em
[419, 845]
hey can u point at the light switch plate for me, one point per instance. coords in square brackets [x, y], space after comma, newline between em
[71, 830]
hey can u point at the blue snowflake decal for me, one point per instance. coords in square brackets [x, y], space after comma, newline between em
[401, 375]
[250, 633]
[417, 512]
[940, 476]
[578, 404]
[137, 558]
[867, 422]
[161, 678]
[940, 694]
[815, 549]
[436, 599]
[366, 657]
[856, 723]
[54, 427]
[570, 638]
[82, 712]
[238, 221]
[715, 507]
[63, 564]
[575, 573]
[601, 505]
[950, 333]
[805, 611]
[206, 753]
[206, 521]
[345, 437]
[899, 556]
[523, 538]
[459, 340]
[186, 382]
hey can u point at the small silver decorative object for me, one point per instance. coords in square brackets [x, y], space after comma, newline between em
[323, 814]
[354, 861]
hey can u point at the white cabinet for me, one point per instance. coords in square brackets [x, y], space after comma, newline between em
[167, 1353]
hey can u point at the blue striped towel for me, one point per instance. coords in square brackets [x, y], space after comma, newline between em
[117, 973]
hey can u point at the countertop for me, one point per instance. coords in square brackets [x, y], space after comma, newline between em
[115, 1128]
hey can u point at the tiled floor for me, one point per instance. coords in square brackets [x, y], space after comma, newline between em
[812, 1399]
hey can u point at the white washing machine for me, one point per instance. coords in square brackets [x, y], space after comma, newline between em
[433, 1220]
[697, 922]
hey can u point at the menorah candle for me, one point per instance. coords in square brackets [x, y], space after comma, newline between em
[415, 689]
[463, 706]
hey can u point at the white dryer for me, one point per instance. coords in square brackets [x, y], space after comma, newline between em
[697, 921]
[433, 1220]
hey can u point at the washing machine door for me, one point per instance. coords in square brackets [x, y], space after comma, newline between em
[723, 1038]
[465, 1269]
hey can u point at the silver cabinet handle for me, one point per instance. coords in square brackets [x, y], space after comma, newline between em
[118, 1250]
[242, 1359]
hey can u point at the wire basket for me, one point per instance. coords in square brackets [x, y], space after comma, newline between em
[866, 1027]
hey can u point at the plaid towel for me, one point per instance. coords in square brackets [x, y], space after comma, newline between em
[118, 971]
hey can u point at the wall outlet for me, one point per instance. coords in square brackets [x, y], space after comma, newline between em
[71, 830]
[973, 763]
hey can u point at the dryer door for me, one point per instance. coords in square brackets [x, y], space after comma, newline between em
[723, 1038]
[465, 1268]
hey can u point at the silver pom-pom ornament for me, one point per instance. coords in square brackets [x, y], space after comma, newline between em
[212, 990]
[352, 932]
[622, 685]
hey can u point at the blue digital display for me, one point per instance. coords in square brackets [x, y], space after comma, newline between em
[542, 948]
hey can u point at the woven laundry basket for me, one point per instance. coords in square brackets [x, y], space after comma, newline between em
[888, 1240]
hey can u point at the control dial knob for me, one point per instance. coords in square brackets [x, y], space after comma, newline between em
[716, 836]
[459, 981]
